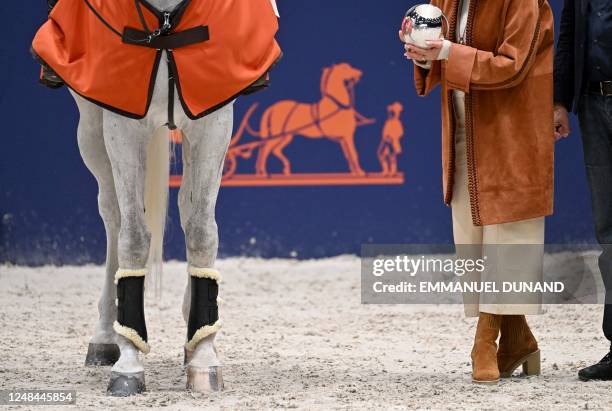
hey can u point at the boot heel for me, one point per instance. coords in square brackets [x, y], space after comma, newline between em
[532, 366]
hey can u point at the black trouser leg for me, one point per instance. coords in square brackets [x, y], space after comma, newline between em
[596, 125]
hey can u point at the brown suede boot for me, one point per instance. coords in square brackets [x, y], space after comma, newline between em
[484, 353]
[517, 346]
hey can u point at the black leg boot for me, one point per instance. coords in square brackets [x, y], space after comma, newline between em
[130, 312]
[204, 311]
[131, 325]
[203, 322]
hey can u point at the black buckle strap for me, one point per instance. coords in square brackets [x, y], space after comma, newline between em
[163, 39]
[172, 41]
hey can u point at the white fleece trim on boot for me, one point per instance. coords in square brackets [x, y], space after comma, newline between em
[132, 335]
[121, 273]
[209, 273]
[202, 333]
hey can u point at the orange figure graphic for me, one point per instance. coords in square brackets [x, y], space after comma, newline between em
[390, 146]
[333, 117]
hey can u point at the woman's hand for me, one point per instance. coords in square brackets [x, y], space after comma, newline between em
[420, 54]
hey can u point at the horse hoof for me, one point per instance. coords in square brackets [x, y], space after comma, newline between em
[204, 380]
[125, 385]
[102, 354]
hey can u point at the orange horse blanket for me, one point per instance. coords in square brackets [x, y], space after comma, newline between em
[94, 46]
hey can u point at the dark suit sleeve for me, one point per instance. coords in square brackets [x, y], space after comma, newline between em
[564, 58]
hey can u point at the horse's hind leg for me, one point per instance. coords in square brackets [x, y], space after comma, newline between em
[278, 152]
[208, 142]
[126, 142]
[261, 166]
[102, 348]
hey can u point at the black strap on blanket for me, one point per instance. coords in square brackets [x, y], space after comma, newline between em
[160, 39]
[163, 39]
[171, 84]
[172, 41]
[141, 16]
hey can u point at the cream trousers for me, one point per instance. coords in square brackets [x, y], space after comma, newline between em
[486, 241]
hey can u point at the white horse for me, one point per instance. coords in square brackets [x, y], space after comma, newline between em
[130, 161]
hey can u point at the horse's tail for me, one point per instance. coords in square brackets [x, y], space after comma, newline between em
[245, 126]
[156, 205]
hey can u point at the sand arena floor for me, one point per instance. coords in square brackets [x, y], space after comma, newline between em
[295, 336]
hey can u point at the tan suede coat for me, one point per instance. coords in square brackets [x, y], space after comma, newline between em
[506, 69]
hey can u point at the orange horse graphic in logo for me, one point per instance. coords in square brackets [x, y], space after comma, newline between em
[333, 117]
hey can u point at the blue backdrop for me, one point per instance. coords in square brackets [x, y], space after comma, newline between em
[48, 206]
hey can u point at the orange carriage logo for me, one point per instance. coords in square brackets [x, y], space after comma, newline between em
[333, 117]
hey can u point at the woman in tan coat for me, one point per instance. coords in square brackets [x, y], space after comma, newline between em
[495, 70]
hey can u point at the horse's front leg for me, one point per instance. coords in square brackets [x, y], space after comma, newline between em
[126, 143]
[208, 142]
[350, 152]
[102, 348]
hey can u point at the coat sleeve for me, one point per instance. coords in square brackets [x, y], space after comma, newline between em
[468, 68]
[564, 58]
[427, 80]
